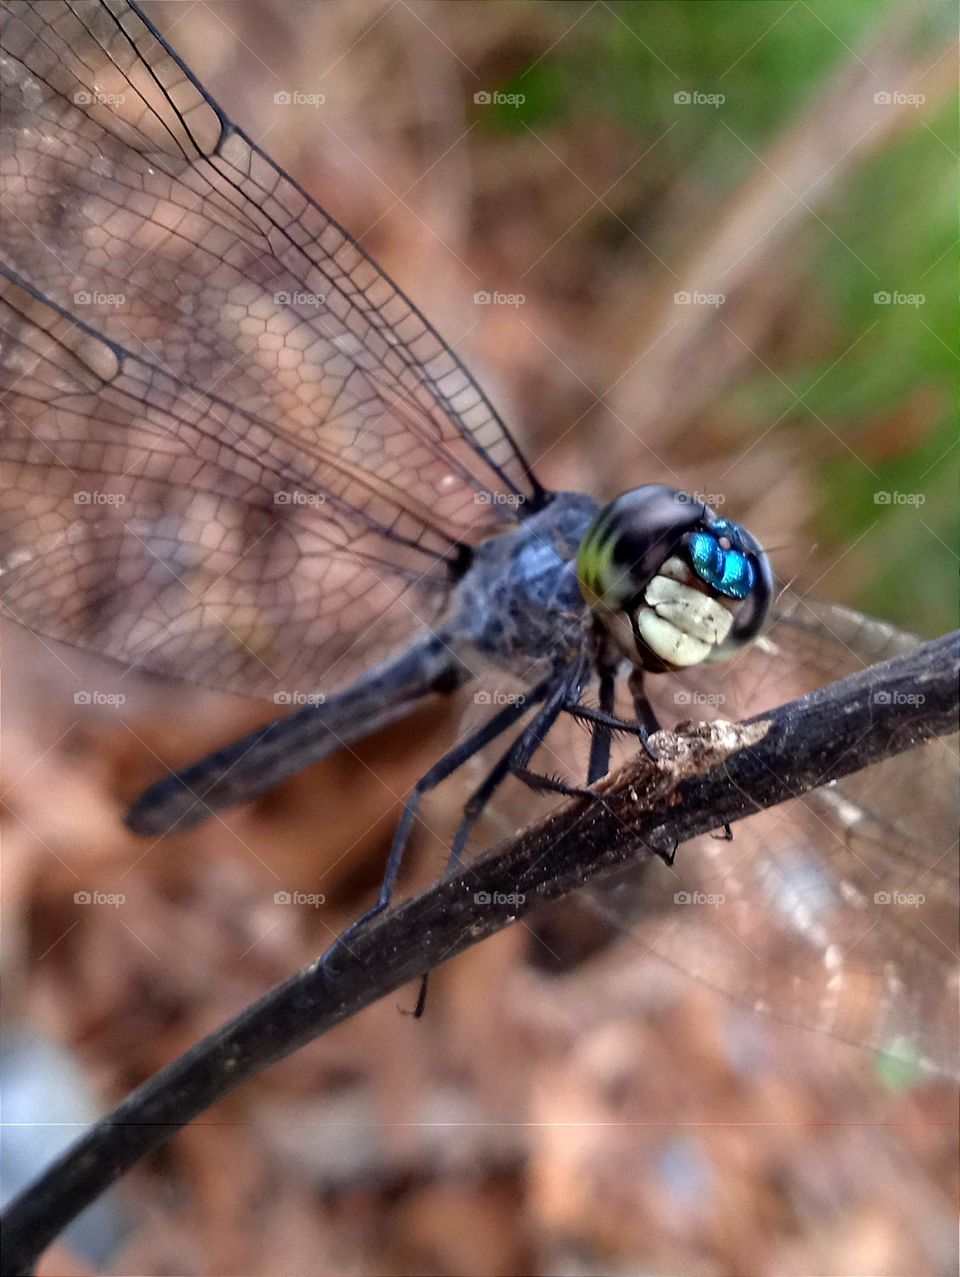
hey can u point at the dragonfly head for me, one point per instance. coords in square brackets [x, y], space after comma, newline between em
[673, 582]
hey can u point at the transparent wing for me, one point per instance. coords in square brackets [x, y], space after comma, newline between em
[267, 437]
[146, 521]
[837, 911]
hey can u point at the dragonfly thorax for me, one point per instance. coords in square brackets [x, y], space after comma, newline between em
[519, 607]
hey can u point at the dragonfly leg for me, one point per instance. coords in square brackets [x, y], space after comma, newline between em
[643, 709]
[518, 755]
[645, 713]
[445, 767]
[604, 723]
[551, 785]
[599, 763]
[634, 727]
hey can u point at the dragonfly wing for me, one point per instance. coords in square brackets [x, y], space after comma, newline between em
[237, 391]
[136, 521]
[837, 911]
[905, 806]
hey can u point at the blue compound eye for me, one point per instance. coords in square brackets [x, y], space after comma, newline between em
[725, 567]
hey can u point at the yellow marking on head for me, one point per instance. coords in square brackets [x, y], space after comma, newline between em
[595, 567]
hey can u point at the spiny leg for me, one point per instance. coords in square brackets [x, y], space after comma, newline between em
[633, 727]
[551, 785]
[599, 763]
[604, 722]
[438, 773]
[543, 784]
[601, 735]
[641, 706]
[512, 762]
[604, 718]
[515, 759]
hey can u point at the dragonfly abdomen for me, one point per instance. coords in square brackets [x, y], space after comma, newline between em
[252, 766]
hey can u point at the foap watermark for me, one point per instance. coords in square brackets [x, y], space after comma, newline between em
[297, 497]
[893, 97]
[293, 97]
[899, 698]
[299, 698]
[84, 298]
[112, 700]
[684, 298]
[311, 899]
[91, 97]
[685, 696]
[884, 298]
[484, 298]
[499, 498]
[908, 899]
[494, 97]
[694, 97]
[699, 898]
[702, 498]
[498, 897]
[113, 898]
[300, 298]
[499, 698]
[98, 498]
[899, 498]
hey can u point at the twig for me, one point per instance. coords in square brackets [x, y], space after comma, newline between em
[712, 777]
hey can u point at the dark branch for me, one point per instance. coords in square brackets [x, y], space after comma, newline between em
[710, 778]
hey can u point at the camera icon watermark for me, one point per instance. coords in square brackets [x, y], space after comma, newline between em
[87, 97]
[113, 898]
[893, 97]
[293, 97]
[296, 497]
[299, 698]
[309, 899]
[685, 298]
[899, 498]
[511, 898]
[895, 298]
[715, 899]
[300, 298]
[112, 700]
[513, 499]
[84, 298]
[693, 97]
[499, 698]
[899, 698]
[99, 498]
[712, 499]
[483, 298]
[902, 899]
[493, 97]
[686, 696]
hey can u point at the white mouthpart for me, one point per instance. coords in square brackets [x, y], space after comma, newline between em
[682, 624]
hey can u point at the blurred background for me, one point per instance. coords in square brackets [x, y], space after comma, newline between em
[705, 244]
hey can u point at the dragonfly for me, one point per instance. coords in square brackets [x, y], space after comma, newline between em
[239, 455]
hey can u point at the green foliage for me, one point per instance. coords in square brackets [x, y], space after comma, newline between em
[889, 227]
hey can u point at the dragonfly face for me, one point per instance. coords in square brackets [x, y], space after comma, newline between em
[673, 583]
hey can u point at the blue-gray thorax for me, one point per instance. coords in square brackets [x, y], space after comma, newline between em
[519, 606]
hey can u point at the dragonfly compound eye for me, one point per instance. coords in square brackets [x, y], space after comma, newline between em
[719, 557]
[674, 583]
